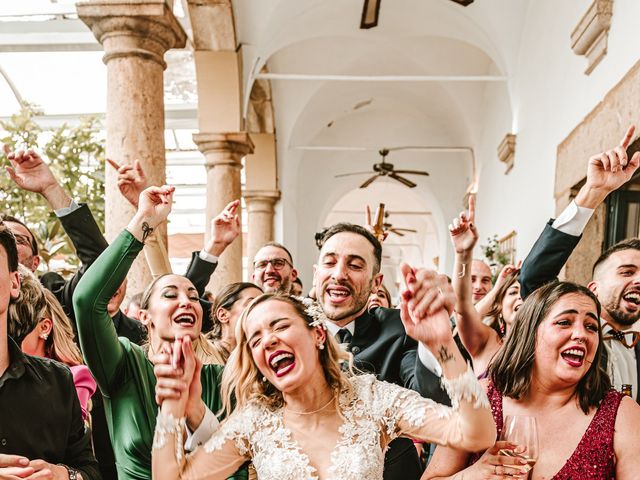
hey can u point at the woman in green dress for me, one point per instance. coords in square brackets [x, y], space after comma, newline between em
[123, 371]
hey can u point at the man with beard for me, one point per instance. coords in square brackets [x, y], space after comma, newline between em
[348, 270]
[616, 273]
[273, 269]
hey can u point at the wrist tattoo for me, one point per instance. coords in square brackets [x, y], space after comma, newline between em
[146, 231]
[444, 355]
[463, 270]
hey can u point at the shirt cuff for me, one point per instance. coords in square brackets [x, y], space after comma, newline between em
[573, 219]
[428, 360]
[61, 212]
[204, 431]
[207, 257]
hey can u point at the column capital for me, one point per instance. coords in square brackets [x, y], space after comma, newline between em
[145, 28]
[260, 200]
[224, 148]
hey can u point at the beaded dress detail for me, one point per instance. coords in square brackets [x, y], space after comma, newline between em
[593, 458]
[374, 413]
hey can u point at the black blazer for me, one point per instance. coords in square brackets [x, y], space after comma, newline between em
[381, 346]
[546, 258]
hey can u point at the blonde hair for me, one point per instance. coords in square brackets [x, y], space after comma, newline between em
[34, 304]
[242, 381]
[60, 345]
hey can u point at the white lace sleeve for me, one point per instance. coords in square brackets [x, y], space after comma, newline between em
[467, 425]
[220, 457]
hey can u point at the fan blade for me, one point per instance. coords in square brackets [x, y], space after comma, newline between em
[413, 172]
[369, 181]
[402, 180]
[353, 173]
[396, 231]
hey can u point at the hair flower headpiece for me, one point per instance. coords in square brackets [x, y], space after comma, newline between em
[314, 310]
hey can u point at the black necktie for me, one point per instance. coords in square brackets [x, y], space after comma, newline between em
[344, 336]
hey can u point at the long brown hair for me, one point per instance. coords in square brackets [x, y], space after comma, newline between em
[60, 345]
[494, 316]
[512, 368]
[241, 379]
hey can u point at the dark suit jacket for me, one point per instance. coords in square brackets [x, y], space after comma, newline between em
[381, 346]
[546, 258]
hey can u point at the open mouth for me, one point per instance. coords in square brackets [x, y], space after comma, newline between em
[632, 298]
[282, 362]
[271, 279]
[185, 320]
[338, 294]
[574, 356]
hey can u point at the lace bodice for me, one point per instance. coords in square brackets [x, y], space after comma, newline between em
[374, 414]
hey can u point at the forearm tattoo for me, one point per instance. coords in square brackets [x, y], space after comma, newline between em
[444, 355]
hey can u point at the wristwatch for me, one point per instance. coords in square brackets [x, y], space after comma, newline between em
[73, 473]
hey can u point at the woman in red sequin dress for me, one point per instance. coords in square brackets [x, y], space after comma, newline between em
[550, 368]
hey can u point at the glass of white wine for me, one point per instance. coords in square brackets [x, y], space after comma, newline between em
[521, 430]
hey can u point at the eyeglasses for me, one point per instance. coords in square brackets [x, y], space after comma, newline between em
[276, 263]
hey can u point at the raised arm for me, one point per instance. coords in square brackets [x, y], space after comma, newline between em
[221, 456]
[606, 172]
[474, 334]
[225, 228]
[468, 424]
[29, 172]
[102, 351]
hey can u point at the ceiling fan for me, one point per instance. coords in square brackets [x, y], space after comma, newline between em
[388, 227]
[384, 169]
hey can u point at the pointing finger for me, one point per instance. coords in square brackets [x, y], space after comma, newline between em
[626, 140]
[113, 163]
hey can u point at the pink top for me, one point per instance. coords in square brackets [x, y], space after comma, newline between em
[85, 386]
[593, 458]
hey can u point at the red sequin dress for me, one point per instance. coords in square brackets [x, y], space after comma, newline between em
[593, 458]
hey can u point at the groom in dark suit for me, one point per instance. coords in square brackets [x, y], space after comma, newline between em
[347, 271]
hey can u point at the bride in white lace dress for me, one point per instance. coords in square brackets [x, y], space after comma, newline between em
[299, 416]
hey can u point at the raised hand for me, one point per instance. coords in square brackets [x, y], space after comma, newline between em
[375, 229]
[464, 235]
[131, 180]
[427, 303]
[225, 228]
[29, 171]
[154, 204]
[608, 171]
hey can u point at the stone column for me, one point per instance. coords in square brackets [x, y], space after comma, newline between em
[135, 37]
[260, 210]
[223, 153]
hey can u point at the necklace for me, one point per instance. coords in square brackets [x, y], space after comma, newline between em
[314, 411]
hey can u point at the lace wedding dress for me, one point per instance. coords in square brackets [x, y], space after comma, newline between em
[374, 414]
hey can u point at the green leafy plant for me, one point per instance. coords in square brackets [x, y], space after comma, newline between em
[496, 258]
[76, 156]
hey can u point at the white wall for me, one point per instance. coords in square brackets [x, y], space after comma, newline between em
[551, 96]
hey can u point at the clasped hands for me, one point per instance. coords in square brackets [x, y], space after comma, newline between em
[427, 304]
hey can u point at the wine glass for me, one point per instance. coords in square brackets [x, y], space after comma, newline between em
[521, 430]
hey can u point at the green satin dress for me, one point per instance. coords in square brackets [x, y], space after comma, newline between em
[122, 369]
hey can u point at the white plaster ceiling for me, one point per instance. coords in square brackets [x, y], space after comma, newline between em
[413, 38]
